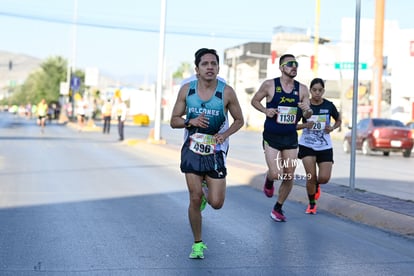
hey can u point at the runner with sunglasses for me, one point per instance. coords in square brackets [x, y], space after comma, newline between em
[287, 101]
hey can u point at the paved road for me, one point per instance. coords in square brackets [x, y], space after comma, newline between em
[383, 195]
[81, 203]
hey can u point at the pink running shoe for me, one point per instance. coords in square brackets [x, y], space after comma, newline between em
[277, 215]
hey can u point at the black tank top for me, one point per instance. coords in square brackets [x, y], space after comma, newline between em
[289, 113]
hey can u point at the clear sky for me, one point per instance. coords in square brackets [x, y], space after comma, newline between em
[122, 37]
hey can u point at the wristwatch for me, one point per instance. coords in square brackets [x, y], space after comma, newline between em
[187, 123]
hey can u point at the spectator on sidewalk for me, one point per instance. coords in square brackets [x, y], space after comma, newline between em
[81, 112]
[121, 113]
[106, 116]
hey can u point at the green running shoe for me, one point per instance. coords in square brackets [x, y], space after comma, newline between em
[204, 198]
[198, 251]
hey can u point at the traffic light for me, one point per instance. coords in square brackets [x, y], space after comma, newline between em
[10, 65]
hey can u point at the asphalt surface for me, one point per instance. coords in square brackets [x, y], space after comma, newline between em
[384, 212]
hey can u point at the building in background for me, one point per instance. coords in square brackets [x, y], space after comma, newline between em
[247, 65]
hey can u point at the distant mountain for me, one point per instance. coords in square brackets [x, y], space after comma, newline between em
[23, 65]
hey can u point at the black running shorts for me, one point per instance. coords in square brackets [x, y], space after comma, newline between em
[212, 165]
[281, 141]
[321, 155]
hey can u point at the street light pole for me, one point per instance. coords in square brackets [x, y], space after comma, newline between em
[71, 60]
[74, 34]
[355, 94]
[157, 123]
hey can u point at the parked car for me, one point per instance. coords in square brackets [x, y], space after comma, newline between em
[381, 134]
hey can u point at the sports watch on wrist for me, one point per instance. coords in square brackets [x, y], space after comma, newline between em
[187, 122]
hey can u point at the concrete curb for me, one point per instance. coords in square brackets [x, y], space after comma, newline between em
[87, 128]
[253, 175]
[368, 214]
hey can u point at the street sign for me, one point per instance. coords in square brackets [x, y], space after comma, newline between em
[12, 83]
[75, 83]
[64, 88]
[350, 66]
[91, 76]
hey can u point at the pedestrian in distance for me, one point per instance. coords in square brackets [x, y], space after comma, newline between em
[121, 113]
[315, 144]
[286, 101]
[42, 109]
[106, 116]
[205, 102]
[81, 113]
[28, 110]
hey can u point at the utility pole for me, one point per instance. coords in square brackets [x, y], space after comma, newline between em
[355, 94]
[377, 69]
[157, 123]
[316, 39]
[72, 62]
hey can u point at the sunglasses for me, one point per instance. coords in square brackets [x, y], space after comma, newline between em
[290, 63]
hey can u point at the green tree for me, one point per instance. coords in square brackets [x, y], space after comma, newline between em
[183, 71]
[44, 82]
